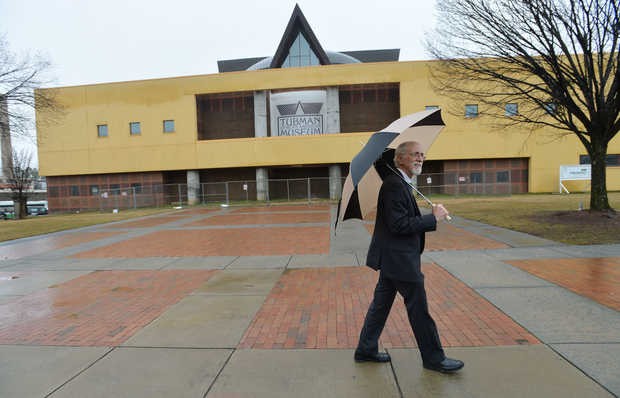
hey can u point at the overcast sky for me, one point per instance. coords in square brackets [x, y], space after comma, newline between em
[98, 41]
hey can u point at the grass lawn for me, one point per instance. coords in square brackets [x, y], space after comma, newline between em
[551, 216]
[37, 225]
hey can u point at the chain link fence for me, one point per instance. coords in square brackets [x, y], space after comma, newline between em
[477, 183]
[308, 190]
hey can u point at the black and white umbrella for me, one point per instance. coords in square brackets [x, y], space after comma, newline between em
[370, 165]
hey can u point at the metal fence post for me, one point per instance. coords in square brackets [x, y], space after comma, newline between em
[227, 199]
[288, 191]
[309, 192]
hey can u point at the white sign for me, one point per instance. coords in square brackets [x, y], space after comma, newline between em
[429, 180]
[578, 172]
[298, 113]
[245, 187]
[575, 172]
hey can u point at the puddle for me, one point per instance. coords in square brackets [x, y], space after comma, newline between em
[8, 278]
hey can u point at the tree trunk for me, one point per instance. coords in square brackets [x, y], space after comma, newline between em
[598, 192]
[20, 201]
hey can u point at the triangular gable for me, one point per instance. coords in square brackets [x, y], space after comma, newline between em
[298, 24]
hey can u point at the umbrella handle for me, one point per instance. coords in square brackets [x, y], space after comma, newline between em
[448, 218]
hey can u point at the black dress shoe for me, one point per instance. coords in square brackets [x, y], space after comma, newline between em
[377, 357]
[448, 365]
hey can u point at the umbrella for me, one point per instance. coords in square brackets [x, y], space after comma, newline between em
[370, 165]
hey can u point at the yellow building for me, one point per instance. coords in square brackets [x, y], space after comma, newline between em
[302, 113]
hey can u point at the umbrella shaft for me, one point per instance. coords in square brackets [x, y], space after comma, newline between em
[422, 196]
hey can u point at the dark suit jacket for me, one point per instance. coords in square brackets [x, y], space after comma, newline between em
[398, 238]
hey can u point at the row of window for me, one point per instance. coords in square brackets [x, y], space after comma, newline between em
[610, 159]
[135, 128]
[471, 110]
[113, 189]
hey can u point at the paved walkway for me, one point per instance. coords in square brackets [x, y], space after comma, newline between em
[268, 302]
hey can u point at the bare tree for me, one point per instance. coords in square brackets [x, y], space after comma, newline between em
[557, 60]
[20, 180]
[19, 77]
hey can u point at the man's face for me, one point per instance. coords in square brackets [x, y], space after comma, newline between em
[411, 161]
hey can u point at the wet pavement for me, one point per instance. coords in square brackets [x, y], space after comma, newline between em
[268, 302]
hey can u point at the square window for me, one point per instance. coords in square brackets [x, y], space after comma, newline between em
[94, 190]
[475, 177]
[501, 176]
[115, 189]
[102, 130]
[471, 110]
[134, 128]
[137, 187]
[511, 110]
[551, 108]
[75, 190]
[168, 126]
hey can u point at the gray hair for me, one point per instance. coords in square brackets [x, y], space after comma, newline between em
[401, 149]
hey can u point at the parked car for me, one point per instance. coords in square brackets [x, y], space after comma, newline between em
[6, 214]
[36, 210]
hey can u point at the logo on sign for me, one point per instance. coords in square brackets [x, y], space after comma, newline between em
[301, 118]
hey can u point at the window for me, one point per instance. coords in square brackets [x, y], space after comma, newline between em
[431, 107]
[137, 187]
[501, 176]
[168, 126]
[471, 110]
[102, 130]
[512, 110]
[134, 128]
[551, 108]
[94, 190]
[115, 189]
[610, 160]
[475, 177]
[75, 190]
[300, 54]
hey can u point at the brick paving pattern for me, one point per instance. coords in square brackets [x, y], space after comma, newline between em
[103, 308]
[219, 242]
[48, 243]
[595, 278]
[325, 308]
[263, 218]
[147, 222]
[281, 208]
[449, 237]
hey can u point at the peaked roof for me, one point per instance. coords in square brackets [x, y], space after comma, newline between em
[298, 24]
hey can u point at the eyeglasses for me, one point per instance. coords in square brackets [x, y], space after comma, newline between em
[416, 154]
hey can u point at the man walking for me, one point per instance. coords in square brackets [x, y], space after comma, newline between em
[395, 249]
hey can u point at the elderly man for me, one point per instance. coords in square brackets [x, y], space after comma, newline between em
[395, 249]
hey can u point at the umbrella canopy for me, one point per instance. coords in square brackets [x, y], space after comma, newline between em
[361, 187]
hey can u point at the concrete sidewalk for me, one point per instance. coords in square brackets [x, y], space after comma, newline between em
[268, 302]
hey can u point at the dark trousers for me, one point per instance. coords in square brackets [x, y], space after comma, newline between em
[422, 323]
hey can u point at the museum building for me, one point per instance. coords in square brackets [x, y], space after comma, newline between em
[302, 112]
